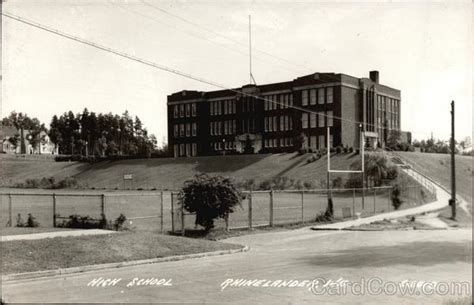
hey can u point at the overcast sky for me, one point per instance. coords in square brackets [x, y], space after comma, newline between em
[423, 49]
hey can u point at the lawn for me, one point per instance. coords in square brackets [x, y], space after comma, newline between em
[64, 252]
[24, 230]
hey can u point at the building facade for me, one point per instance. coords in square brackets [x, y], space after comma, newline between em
[283, 117]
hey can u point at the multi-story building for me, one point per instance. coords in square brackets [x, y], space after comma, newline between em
[283, 117]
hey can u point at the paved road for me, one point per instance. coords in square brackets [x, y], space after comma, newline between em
[304, 254]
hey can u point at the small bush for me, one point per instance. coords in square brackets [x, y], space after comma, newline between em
[30, 222]
[118, 223]
[83, 222]
[395, 197]
[338, 149]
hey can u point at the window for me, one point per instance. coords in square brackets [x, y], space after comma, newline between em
[291, 141]
[176, 111]
[329, 95]
[312, 142]
[211, 129]
[265, 143]
[188, 129]
[194, 150]
[282, 142]
[188, 150]
[304, 120]
[312, 95]
[275, 143]
[321, 143]
[181, 110]
[193, 109]
[219, 128]
[265, 124]
[218, 107]
[194, 129]
[291, 100]
[275, 123]
[270, 143]
[188, 110]
[176, 150]
[312, 120]
[266, 103]
[304, 98]
[321, 96]
[270, 124]
[330, 118]
[211, 108]
[291, 123]
[320, 119]
[282, 123]
[176, 130]
[181, 150]
[234, 126]
[181, 130]
[287, 119]
[225, 107]
[234, 109]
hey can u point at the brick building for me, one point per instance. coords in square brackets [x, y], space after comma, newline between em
[257, 118]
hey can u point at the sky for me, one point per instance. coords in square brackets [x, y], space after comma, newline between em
[422, 48]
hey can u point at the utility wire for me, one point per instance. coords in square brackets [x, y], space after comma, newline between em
[219, 34]
[168, 69]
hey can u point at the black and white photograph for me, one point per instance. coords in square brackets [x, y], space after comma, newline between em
[236, 152]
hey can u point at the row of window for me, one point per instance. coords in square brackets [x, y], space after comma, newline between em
[185, 130]
[223, 127]
[317, 142]
[184, 110]
[272, 101]
[387, 104]
[317, 96]
[271, 123]
[317, 119]
[223, 107]
[223, 145]
[274, 143]
[185, 150]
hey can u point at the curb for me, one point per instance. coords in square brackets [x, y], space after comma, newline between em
[81, 269]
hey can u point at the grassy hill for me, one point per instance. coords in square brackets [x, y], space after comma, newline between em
[170, 173]
[438, 166]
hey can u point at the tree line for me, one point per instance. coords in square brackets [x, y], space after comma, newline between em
[88, 133]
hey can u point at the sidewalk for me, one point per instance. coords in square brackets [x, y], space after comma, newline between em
[55, 234]
[442, 201]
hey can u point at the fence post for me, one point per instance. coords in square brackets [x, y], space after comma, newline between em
[389, 197]
[10, 210]
[54, 210]
[172, 212]
[250, 209]
[182, 219]
[375, 205]
[102, 205]
[353, 201]
[302, 206]
[161, 211]
[271, 208]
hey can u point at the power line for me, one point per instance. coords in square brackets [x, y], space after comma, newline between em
[193, 35]
[219, 34]
[168, 69]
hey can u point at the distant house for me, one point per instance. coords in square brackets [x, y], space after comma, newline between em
[6, 133]
[9, 132]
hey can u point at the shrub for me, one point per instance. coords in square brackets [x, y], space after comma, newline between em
[118, 223]
[302, 151]
[337, 182]
[395, 197]
[83, 222]
[210, 198]
[338, 149]
[351, 149]
[30, 222]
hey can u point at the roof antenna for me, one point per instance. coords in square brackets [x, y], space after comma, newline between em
[252, 79]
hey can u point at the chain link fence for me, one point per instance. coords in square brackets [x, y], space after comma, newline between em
[162, 211]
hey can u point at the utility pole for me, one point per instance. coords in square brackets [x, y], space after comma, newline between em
[452, 201]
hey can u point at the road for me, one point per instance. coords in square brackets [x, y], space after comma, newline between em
[303, 254]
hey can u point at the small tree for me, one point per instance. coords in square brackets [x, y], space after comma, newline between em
[210, 198]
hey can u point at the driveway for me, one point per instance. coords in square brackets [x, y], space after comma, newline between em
[292, 257]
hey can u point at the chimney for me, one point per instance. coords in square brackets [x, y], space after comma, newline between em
[374, 76]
